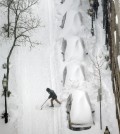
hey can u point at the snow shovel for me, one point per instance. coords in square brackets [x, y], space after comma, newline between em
[44, 103]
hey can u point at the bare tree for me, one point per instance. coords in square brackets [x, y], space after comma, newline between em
[98, 63]
[22, 25]
[7, 4]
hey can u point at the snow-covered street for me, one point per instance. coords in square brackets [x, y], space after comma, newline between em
[38, 64]
[47, 66]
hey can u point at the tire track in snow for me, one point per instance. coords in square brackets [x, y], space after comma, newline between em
[52, 62]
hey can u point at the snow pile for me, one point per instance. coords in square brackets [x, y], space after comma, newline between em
[75, 72]
[118, 58]
[80, 110]
[72, 24]
[116, 19]
[75, 49]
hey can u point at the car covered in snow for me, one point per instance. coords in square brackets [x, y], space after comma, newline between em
[79, 112]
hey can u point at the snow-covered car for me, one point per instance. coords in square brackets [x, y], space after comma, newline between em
[79, 112]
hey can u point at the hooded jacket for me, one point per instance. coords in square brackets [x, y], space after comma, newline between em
[52, 94]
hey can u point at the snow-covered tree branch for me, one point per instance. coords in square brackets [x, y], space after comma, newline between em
[7, 4]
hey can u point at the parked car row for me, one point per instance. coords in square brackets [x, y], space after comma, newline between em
[78, 106]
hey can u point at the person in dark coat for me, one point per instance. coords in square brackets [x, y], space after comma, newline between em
[95, 7]
[53, 97]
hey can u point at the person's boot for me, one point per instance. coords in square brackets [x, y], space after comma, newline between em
[52, 106]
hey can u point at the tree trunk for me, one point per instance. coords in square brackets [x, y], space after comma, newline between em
[8, 21]
[100, 95]
[8, 61]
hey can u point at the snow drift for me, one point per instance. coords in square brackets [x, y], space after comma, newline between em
[74, 73]
[80, 109]
[75, 49]
[72, 24]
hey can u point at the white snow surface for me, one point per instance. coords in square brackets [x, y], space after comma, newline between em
[80, 110]
[32, 71]
[118, 58]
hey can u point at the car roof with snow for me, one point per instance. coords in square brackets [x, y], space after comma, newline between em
[80, 113]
